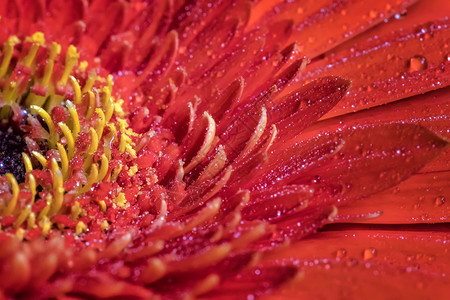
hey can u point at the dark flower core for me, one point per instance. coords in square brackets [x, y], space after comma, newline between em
[11, 148]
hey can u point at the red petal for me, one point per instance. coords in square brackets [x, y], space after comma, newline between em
[356, 263]
[423, 198]
[321, 25]
[391, 67]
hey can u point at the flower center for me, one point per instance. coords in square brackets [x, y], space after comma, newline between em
[73, 141]
[11, 148]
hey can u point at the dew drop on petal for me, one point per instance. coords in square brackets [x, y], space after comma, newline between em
[439, 201]
[341, 253]
[417, 63]
[369, 253]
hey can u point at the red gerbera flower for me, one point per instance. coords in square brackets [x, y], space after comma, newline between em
[181, 149]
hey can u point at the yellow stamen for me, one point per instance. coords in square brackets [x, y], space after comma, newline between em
[71, 60]
[100, 122]
[131, 150]
[69, 139]
[124, 140]
[20, 233]
[90, 82]
[10, 96]
[83, 65]
[32, 185]
[120, 200]
[58, 189]
[31, 222]
[54, 51]
[80, 228]
[113, 129]
[38, 40]
[91, 179]
[47, 119]
[92, 148]
[116, 171]
[75, 210]
[102, 205]
[64, 160]
[76, 89]
[15, 194]
[133, 170]
[109, 81]
[75, 120]
[22, 216]
[46, 209]
[42, 160]
[90, 110]
[104, 225]
[46, 225]
[118, 111]
[8, 49]
[27, 162]
[103, 168]
[107, 103]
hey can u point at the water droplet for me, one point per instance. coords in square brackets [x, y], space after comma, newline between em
[369, 253]
[439, 201]
[341, 253]
[373, 14]
[417, 63]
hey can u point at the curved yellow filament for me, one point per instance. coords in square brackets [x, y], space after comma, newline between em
[38, 40]
[8, 49]
[27, 162]
[115, 172]
[58, 189]
[46, 117]
[64, 160]
[90, 82]
[31, 222]
[113, 129]
[76, 89]
[75, 120]
[20, 233]
[92, 148]
[15, 195]
[46, 209]
[75, 210]
[46, 225]
[102, 205]
[42, 160]
[109, 81]
[71, 60]
[91, 179]
[54, 51]
[69, 139]
[124, 140]
[80, 228]
[90, 110]
[103, 168]
[22, 216]
[32, 185]
[101, 122]
[104, 225]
